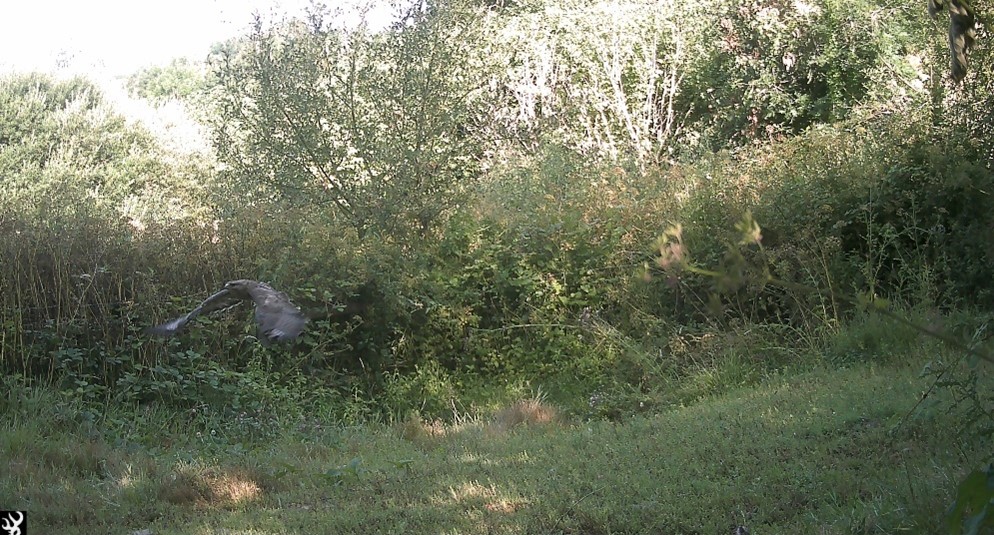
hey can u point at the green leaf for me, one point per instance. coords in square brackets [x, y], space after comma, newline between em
[973, 495]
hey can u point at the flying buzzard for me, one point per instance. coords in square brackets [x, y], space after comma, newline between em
[277, 317]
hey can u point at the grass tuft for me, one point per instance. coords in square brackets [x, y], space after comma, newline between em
[209, 486]
[417, 430]
[530, 412]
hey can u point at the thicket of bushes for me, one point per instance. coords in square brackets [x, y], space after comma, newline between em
[467, 206]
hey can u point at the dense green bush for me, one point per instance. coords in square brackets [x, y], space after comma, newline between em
[95, 219]
[771, 68]
[929, 216]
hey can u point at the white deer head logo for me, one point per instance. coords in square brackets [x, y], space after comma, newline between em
[11, 526]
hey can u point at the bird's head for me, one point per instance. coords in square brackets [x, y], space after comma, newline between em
[240, 288]
[240, 284]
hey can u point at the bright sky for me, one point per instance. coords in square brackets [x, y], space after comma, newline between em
[114, 37]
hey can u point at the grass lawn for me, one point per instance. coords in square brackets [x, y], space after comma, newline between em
[825, 451]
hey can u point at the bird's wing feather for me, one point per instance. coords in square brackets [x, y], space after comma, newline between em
[219, 300]
[168, 328]
[223, 299]
[278, 318]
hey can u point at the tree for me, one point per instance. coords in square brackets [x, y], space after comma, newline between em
[179, 80]
[647, 81]
[374, 124]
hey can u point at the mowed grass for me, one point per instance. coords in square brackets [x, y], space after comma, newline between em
[825, 451]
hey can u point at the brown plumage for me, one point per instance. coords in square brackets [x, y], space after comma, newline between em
[962, 32]
[277, 318]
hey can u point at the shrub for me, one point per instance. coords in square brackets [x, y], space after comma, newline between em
[927, 217]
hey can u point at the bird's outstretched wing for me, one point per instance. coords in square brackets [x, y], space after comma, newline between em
[223, 299]
[278, 319]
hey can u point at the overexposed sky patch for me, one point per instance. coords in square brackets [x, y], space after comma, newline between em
[116, 37]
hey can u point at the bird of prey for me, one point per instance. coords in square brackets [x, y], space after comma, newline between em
[278, 319]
